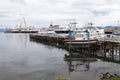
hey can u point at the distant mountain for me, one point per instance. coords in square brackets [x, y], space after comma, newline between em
[2, 30]
[108, 27]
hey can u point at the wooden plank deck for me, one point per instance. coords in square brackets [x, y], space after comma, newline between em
[114, 39]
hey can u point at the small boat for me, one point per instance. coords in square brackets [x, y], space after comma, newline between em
[84, 37]
[81, 39]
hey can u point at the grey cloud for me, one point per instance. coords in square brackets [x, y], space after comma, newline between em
[52, 1]
[100, 8]
[61, 10]
[111, 2]
[6, 14]
[18, 1]
[68, 12]
[55, 1]
[23, 13]
[100, 13]
[3, 16]
[79, 4]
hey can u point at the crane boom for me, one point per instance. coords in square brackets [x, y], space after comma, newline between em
[25, 22]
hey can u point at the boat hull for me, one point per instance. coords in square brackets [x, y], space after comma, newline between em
[66, 40]
[81, 43]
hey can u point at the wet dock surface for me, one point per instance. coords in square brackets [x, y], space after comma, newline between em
[22, 59]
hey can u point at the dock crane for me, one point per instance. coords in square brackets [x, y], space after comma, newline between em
[25, 22]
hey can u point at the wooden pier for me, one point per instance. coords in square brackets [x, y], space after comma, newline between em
[46, 38]
[107, 49]
[110, 48]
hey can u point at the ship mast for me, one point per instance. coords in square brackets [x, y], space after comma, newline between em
[72, 25]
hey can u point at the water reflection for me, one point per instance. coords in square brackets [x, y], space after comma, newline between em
[78, 61]
[21, 59]
[78, 66]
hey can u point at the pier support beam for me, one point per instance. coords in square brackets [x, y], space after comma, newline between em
[116, 49]
[104, 46]
[112, 52]
[119, 52]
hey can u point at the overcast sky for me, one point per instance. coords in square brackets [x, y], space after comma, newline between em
[41, 12]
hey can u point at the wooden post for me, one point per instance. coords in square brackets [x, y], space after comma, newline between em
[104, 49]
[116, 49]
[57, 41]
[112, 56]
[119, 52]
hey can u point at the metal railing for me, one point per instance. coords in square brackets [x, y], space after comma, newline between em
[113, 39]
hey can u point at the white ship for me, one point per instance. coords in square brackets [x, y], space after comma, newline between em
[20, 29]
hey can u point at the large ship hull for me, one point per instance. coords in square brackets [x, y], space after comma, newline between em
[21, 31]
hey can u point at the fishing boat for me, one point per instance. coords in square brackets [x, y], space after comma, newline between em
[80, 39]
[86, 37]
[20, 29]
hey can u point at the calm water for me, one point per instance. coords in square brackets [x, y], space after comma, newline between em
[22, 59]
